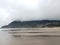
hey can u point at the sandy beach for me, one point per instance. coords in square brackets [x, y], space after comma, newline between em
[30, 36]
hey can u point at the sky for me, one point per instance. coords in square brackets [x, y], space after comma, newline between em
[25, 10]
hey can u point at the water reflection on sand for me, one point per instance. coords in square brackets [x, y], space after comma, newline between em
[6, 39]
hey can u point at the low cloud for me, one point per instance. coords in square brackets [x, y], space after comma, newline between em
[28, 10]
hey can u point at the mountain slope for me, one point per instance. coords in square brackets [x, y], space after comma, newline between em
[33, 24]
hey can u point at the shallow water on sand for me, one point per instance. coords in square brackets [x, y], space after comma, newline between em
[6, 39]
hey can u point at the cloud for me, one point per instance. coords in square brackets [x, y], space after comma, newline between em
[28, 10]
[51, 10]
[17, 10]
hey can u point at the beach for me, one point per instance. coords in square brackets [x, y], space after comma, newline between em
[30, 36]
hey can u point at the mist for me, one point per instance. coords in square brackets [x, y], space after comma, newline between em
[25, 10]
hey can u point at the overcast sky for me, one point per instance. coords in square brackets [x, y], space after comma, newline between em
[28, 10]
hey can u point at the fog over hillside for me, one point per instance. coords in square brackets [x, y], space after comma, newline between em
[25, 10]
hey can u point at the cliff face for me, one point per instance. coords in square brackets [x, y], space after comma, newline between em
[35, 23]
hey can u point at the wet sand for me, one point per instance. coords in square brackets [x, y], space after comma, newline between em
[8, 39]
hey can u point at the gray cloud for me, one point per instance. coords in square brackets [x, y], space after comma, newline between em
[28, 10]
